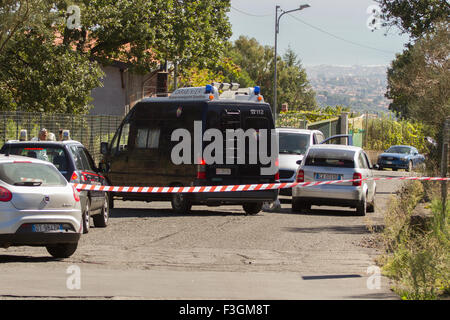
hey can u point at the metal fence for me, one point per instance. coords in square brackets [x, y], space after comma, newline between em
[90, 130]
[329, 127]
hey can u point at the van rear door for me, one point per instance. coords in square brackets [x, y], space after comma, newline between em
[233, 117]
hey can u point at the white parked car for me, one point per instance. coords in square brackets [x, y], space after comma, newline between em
[335, 162]
[292, 145]
[38, 206]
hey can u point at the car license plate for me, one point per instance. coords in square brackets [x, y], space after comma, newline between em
[327, 176]
[223, 171]
[46, 227]
[388, 162]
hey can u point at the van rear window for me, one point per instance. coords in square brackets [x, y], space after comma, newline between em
[256, 123]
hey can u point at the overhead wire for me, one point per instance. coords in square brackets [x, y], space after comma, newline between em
[340, 38]
[318, 29]
[251, 14]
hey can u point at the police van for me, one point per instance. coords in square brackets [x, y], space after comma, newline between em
[167, 141]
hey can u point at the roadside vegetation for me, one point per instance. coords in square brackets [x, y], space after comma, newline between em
[417, 243]
[384, 132]
[416, 234]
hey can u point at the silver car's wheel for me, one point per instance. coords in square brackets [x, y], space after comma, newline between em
[63, 250]
[86, 216]
[361, 208]
[371, 206]
[101, 220]
[300, 206]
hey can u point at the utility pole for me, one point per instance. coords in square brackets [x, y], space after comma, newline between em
[277, 29]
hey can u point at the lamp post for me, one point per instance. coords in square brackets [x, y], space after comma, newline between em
[277, 29]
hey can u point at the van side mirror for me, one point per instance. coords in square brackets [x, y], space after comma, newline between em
[376, 166]
[104, 148]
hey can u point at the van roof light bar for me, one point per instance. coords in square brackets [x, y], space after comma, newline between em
[234, 86]
[225, 86]
[211, 92]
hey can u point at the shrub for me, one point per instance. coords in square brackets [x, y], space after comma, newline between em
[384, 132]
[417, 260]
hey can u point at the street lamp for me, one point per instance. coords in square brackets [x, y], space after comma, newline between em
[277, 29]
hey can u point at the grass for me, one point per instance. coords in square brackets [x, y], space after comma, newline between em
[417, 259]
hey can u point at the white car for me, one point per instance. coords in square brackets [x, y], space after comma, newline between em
[293, 144]
[38, 206]
[335, 162]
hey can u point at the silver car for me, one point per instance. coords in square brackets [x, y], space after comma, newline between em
[335, 162]
[38, 206]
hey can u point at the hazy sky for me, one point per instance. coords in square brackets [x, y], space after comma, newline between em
[332, 32]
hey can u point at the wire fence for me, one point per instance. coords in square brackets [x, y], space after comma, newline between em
[90, 130]
[328, 127]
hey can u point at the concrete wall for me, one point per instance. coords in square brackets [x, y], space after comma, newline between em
[121, 91]
[111, 98]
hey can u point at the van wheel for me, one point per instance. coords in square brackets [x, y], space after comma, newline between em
[62, 250]
[101, 220]
[180, 203]
[252, 208]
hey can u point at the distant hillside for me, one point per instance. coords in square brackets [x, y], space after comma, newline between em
[360, 87]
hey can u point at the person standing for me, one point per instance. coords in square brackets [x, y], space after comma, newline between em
[42, 136]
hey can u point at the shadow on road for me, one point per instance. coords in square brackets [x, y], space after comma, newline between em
[14, 259]
[375, 296]
[358, 229]
[335, 212]
[159, 213]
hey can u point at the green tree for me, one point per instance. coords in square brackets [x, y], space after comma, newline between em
[419, 79]
[415, 17]
[16, 16]
[256, 63]
[145, 33]
[45, 65]
[295, 89]
[37, 74]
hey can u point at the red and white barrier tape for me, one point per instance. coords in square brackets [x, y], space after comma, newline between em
[243, 187]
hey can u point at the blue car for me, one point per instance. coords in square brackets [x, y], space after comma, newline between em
[400, 157]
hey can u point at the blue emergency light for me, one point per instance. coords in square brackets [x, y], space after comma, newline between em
[257, 90]
[209, 88]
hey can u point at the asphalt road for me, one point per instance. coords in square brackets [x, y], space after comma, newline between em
[146, 252]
